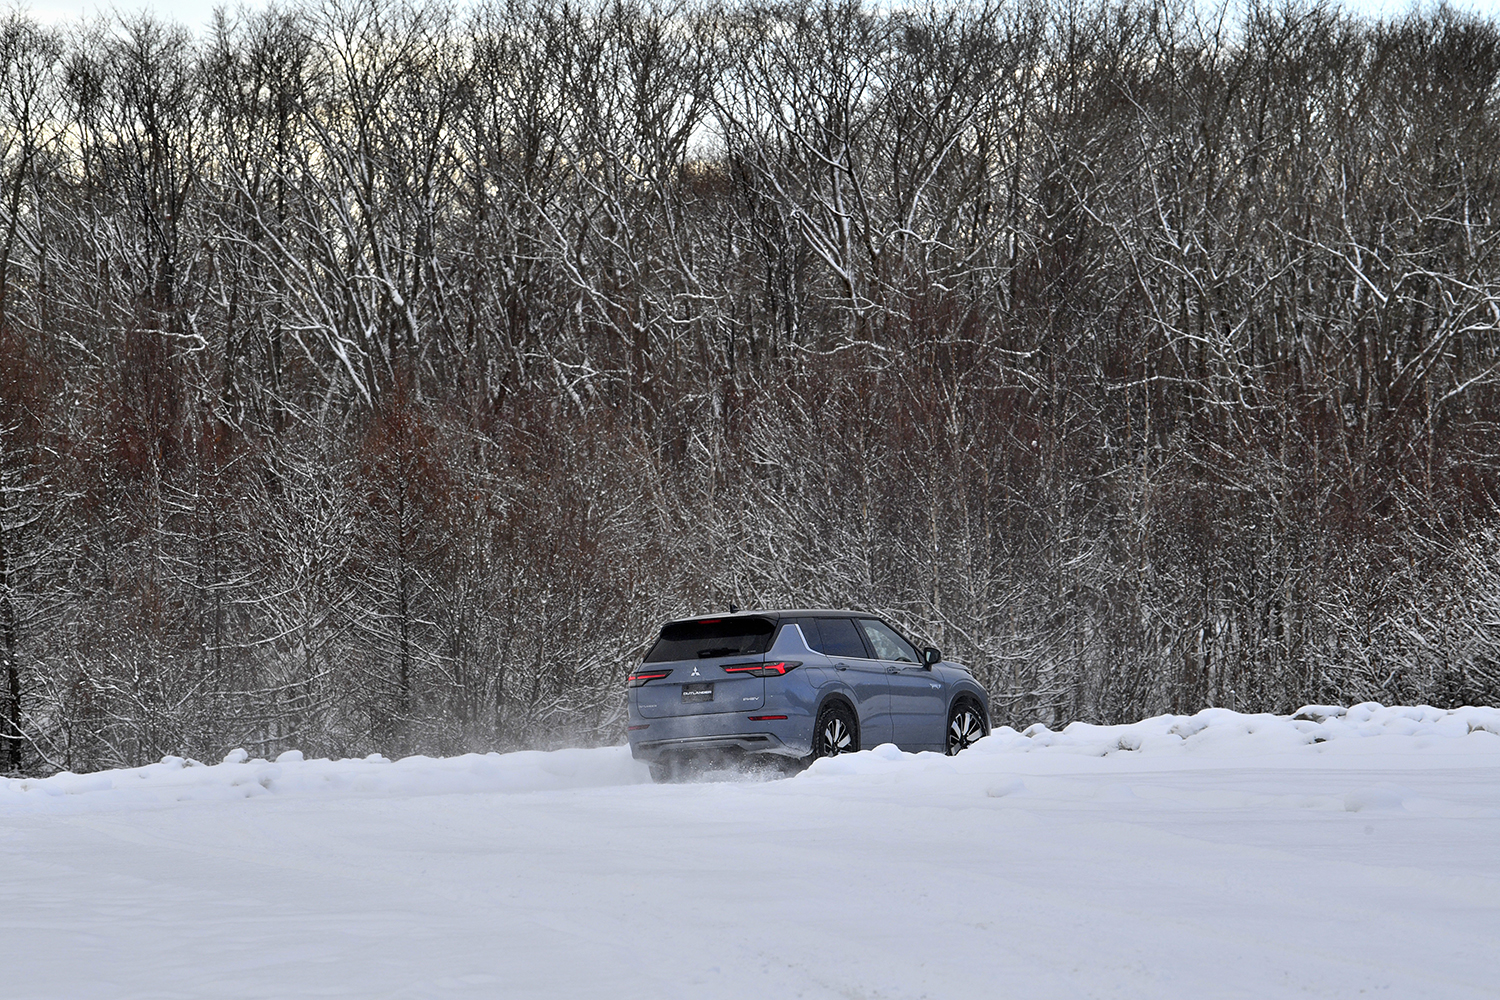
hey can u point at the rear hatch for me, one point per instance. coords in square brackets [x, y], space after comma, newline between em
[702, 657]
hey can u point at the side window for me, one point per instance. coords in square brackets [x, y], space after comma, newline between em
[809, 627]
[840, 639]
[886, 643]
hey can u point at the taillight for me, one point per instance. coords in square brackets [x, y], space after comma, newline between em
[640, 677]
[762, 669]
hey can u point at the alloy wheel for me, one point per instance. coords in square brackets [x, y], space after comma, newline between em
[965, 728]
[836, 736]
[835, 732]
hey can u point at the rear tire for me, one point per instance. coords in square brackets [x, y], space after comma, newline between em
[835, 732]
[966, 726]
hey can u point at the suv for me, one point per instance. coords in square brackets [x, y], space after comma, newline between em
[792, 686]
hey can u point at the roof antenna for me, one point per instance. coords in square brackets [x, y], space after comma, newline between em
[733, 608]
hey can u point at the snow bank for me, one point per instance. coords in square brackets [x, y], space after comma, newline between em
[1214, 733]
[1220, 732]
[176, 779]
[1323, 730]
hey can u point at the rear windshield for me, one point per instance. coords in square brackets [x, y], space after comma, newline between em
[711, 637]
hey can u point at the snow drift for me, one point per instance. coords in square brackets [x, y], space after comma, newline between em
[239, 776]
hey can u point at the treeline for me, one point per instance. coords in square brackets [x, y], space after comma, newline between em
[377, 374]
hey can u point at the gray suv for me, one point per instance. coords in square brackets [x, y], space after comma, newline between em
[791, 686]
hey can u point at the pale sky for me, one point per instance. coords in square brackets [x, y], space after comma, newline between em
[196, 13]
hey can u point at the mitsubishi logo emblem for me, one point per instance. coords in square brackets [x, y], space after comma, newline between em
[695, 672]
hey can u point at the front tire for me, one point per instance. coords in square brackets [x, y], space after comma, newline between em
[966, 726]
[835, 732]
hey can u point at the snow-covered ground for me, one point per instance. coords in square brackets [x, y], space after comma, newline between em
[1219, 855]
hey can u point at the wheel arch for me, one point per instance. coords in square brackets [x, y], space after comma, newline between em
[964, 694]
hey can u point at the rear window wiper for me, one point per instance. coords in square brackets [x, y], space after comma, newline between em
[719, 651]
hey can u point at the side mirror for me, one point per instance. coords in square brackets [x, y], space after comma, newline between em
[931, 655]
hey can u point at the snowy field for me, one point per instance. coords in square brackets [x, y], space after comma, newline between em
[1218, 855]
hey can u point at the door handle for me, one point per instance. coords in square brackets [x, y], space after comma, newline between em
[892, 670]
[841, 666]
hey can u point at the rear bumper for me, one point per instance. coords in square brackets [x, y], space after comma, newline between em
[747, 743]
[720, 734]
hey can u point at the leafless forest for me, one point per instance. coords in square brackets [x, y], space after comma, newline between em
[377, 375]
